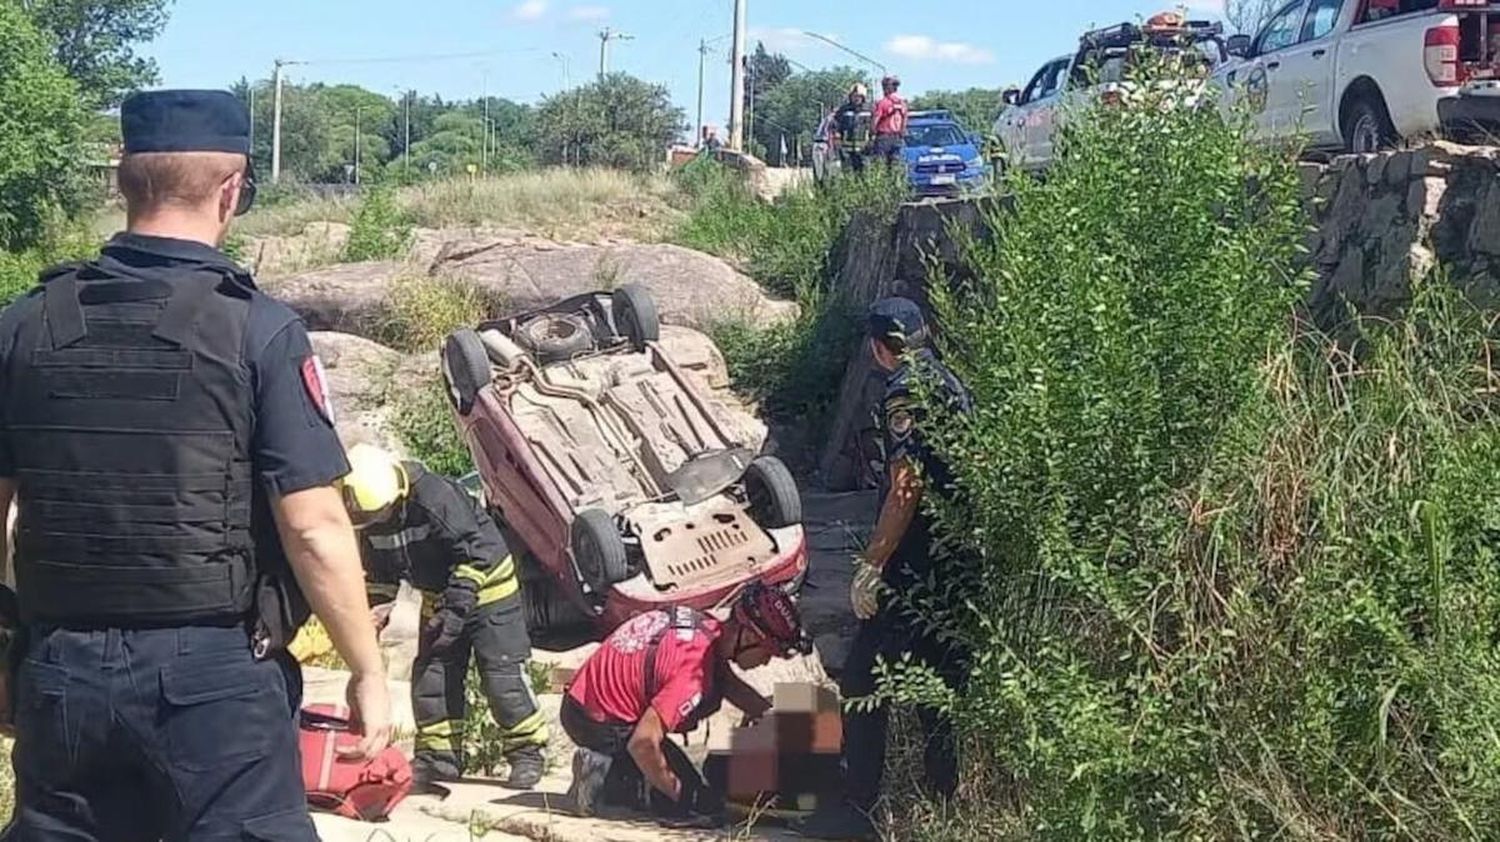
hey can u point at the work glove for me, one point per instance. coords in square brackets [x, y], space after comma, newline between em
[445, 627]
[864, 593]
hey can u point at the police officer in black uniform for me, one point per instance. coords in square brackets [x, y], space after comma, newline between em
[898, 556]
[420, 527]
[162, 425]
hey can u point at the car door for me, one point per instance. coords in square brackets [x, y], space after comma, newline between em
[1011, 127]
[1255, 81]
[1304, 82]
[1041, 123]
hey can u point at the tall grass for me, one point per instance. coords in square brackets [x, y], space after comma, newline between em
[1222, 578]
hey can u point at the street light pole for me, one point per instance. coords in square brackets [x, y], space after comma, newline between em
[358, 127]
[836, 45]
[737, 81]
[276, 125]
[702, 66]
[607, 35]
[484, 142]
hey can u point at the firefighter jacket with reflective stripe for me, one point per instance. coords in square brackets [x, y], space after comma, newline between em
[439, 536]
[129, 411]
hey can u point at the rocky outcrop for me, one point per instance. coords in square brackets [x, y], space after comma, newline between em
[349, 298]
[362, 377]
[1386, 220]
[691, 288]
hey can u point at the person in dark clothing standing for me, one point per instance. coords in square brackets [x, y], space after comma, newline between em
[851, 129]
[898, 556]
[166, 435]
[424, 528]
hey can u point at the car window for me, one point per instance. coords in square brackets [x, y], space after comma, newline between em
[1282, 30]
[1322, 16]
[1034, 87]
[1382, 9]
[1053, 83]
[938, 135]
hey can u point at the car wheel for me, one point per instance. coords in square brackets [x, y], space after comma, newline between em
[466, 367]
[554, 338]
[635, 315]
[775, 502]
[599, 550]
[1367, 126]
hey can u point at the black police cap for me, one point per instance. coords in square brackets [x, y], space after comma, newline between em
[899, 320]
[185, 121]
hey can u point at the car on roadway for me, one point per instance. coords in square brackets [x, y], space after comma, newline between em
[1362, 75]
[942, 158]
[620, 488]
[1098, 71]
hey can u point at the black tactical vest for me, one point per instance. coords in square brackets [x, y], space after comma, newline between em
[130, 412]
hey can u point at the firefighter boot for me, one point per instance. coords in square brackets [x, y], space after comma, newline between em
[526, 767]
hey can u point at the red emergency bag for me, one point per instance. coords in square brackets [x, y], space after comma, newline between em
[366, 790]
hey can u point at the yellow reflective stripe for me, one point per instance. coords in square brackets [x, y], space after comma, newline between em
[440, 736]
[383, 589]
[496, 592]
[472, 573]
[531, 731]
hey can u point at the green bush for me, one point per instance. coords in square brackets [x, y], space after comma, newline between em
[421, 310]
[423, 418]
[1224, 577]
[19, 270]
[380, 230]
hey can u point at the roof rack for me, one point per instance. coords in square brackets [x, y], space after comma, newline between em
[1127, 34]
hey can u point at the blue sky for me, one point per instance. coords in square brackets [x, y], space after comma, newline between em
[386, 44]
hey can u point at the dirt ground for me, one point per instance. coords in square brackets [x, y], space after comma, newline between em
[836, 524]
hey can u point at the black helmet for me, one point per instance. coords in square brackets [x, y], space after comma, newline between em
[773, 615]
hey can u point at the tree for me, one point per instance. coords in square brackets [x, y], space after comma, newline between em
[95, 43]
[975, 109]
[1249, 15]
[764, 73]
[41, 120]
[619, 121]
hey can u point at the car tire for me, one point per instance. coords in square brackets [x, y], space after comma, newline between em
[555, 338]
[466, 366]
[599, 550]
[775, 502]
[635, 315]
[1367, 125]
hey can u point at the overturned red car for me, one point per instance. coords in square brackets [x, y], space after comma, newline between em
[611, 471]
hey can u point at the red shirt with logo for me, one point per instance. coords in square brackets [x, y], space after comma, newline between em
[611, 684]
[889, 115]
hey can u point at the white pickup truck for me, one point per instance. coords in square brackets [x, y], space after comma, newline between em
[1361, 75]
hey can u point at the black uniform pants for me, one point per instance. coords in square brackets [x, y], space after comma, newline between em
[888, 635]
[495, 635]
[889, 148]
[625, 785]
[144, 735]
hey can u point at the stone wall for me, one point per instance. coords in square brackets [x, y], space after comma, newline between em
[1379, 222]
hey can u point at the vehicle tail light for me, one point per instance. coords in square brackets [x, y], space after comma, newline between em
[1440, 55]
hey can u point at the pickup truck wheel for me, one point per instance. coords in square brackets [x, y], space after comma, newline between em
[599, 550]
[1367, 126]
[466, 367]
[635, 315]
[775, 502]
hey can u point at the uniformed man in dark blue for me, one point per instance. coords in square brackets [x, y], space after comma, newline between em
[898, 556]
[162, 425]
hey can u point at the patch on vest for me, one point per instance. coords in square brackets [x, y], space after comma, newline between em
[315, 380]
[690, 705]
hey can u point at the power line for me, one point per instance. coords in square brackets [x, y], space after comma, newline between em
[416, 58]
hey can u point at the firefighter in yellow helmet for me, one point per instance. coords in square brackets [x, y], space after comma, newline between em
[424, 528]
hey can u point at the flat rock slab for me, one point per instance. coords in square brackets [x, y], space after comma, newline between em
[690, 288]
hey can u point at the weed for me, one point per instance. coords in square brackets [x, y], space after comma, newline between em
[422, 310]
[423, 419]
[381, 230]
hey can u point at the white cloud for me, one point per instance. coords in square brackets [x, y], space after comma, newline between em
[925, 48]
[588, 13]
[530, 10]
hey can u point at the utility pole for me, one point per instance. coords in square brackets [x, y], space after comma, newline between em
[358, 114]
[702, 64]
[276, 125]
[484, 142]
[607, 35]
[406, 149]
[252, 122]
[737, 81]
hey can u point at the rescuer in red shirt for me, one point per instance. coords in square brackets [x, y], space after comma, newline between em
[889, 118]
[662, 673]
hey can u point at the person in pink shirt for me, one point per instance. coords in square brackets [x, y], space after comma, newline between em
[889, 119]
[662, 673]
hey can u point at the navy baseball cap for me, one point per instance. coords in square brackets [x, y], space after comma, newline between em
[185, 121]
[899, 320]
